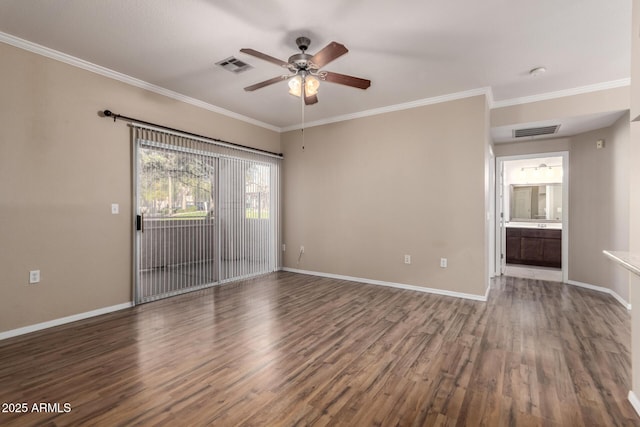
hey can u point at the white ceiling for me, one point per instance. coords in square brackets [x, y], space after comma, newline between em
[411, 50]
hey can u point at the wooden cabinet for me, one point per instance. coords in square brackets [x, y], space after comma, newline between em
[534, 246]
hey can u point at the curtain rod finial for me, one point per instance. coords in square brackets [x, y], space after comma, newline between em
[108, 113]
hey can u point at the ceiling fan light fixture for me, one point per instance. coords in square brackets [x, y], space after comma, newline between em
[295, 86]
[311, 85]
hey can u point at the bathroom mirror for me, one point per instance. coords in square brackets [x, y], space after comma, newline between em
[536, 202]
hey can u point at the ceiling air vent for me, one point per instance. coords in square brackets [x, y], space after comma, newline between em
[234, 65]
[543, 130]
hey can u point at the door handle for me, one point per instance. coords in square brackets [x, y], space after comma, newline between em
[140, 223]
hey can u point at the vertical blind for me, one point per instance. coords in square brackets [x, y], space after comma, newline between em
[208, 213]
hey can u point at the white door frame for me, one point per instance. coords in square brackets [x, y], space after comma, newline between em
[499, 232]
[499, 237]
[491, 213]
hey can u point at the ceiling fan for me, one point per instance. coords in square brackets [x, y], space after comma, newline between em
[306, 72]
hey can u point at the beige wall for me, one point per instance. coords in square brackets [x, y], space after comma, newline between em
[634, 246]
[634, 196]
[362, 193]
[598, 200]
[635, 60]
[599, 206]
[61, 167]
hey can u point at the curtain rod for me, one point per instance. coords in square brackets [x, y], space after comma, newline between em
[108, 113]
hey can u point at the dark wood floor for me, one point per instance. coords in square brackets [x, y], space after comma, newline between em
[288, 349]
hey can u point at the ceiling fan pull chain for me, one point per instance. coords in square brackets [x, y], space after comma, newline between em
[302, 107]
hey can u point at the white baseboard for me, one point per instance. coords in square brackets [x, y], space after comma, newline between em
[486, 293]
[633, 399]
[392, 284]
[618, 298]
[63, 320]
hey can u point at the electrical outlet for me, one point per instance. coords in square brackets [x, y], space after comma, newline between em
[443, 262]
[34, 276]
[407, 259]
[284, 247]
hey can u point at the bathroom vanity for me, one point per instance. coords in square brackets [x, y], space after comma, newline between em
[534, 244]
[534, 224]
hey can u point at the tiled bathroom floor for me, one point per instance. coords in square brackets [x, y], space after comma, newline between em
[530, 272]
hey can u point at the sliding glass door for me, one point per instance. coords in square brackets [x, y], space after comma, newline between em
[203, 217]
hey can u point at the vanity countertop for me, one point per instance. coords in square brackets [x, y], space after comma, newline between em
[629, 260]
[543, 225]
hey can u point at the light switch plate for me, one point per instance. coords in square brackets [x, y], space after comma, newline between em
[34, 276]
[115, 208]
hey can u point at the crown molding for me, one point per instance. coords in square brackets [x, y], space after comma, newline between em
[490, 100]
[562, 93]
[487, 91]
[115, 75]
[397, 107]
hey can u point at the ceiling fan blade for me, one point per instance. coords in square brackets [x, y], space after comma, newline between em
[343, 79]
[310, 100]
[265, 57]
[265, 83]
[330, 52]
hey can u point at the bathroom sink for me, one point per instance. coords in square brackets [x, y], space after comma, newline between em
[548, 225]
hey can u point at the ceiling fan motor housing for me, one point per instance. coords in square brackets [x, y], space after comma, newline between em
[301, 61]
[303, 43]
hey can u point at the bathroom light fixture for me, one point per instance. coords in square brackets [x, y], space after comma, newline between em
[541, 166]
[536, 173]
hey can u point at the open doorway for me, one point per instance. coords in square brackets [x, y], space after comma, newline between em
[532, 195]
